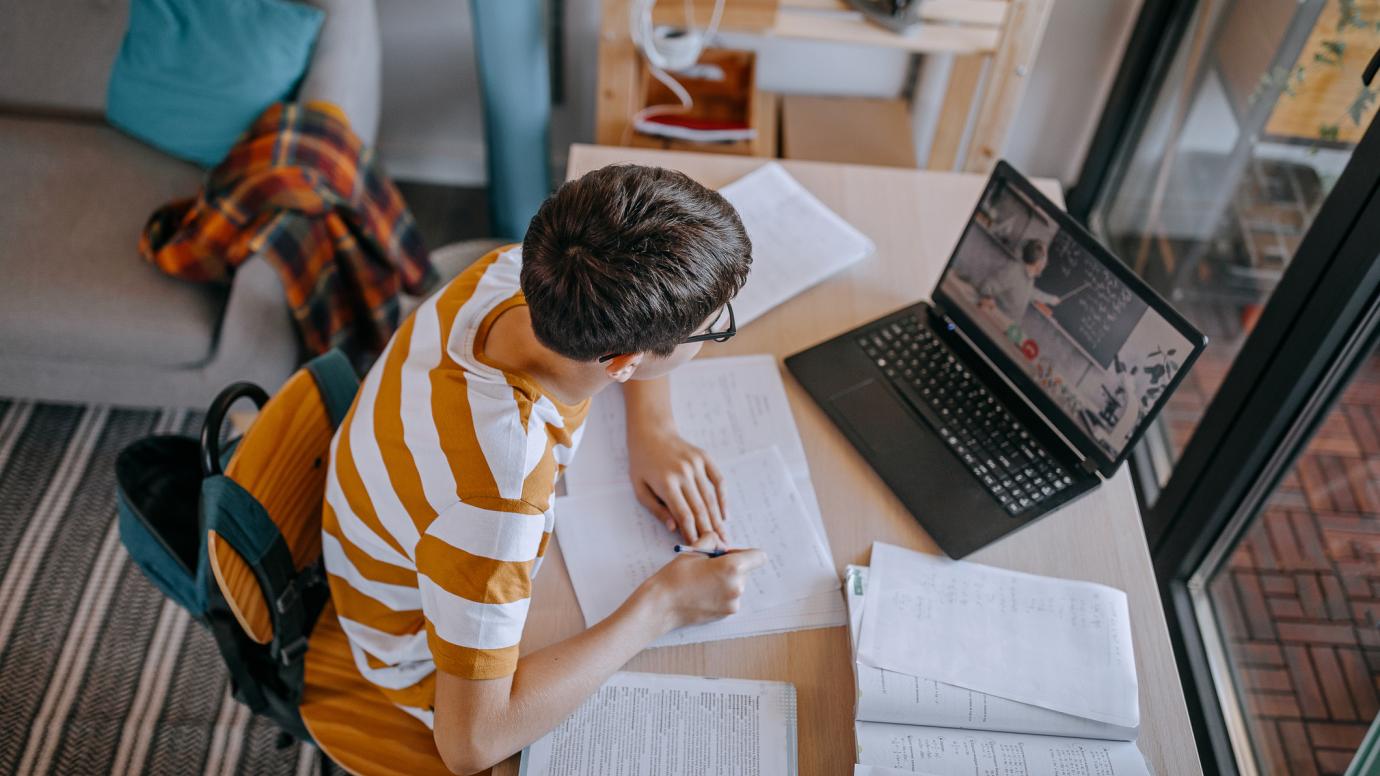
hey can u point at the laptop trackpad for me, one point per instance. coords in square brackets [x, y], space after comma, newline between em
[876, 416]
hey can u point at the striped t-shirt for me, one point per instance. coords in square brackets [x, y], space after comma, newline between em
[438, 501]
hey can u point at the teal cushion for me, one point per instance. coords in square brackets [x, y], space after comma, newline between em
[192, 75]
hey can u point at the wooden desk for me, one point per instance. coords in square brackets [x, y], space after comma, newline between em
[915, 218]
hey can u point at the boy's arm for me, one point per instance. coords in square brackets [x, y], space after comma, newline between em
[673, 479]
[480, 722]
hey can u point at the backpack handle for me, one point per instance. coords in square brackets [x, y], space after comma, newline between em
[215, 416]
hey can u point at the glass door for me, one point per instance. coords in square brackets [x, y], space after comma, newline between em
[1268, 549]
[1288, 602]
[1260, 106]
[1243, 183]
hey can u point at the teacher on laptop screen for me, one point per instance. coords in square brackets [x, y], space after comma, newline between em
[1081, 334]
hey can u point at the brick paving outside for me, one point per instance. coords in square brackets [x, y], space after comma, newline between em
[1299, 600]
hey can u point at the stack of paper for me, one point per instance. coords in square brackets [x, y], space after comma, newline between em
[960, 664]
[736, 410]
[797, 241]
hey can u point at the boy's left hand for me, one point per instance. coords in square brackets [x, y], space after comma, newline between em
[677, 482]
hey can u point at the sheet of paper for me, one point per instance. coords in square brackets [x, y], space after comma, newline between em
[873, 770]
[727, 406]
[797, 241]
[1055, 643]
[947, 752]
[675, 726]
[825, 610]
[611, 543]
[888, 696]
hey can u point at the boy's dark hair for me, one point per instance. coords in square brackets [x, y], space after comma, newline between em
[629, 259]
[1032, 251]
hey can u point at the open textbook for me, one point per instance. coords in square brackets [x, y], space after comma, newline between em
[673, 726]
[611, 544]
[910, 724]
[730, 407]
[796, 240]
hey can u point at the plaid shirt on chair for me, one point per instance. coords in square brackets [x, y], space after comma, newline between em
[300, 188]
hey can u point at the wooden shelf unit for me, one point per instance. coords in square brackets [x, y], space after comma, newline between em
[994, 43]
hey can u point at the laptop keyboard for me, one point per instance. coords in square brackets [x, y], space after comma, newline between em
[1014, 467]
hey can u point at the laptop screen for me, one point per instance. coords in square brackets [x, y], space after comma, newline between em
[1099, 345]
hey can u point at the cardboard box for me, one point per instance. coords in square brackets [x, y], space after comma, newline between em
[734, 99]
[852, 130]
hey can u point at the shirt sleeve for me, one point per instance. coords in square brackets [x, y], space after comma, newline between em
[1043, 297]
[474, 567]
[996, 284]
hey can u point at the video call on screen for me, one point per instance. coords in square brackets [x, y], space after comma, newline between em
[1090, 343]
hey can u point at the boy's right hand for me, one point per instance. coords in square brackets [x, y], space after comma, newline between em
[694, 588]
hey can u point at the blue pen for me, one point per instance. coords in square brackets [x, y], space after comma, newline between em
[706, 553]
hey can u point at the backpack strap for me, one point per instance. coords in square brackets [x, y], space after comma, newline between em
[337, 382]
[238, 518]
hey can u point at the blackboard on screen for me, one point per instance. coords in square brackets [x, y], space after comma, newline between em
[1099, 317]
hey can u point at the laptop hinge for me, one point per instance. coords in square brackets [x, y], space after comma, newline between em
[939, 312]
[1089, 466]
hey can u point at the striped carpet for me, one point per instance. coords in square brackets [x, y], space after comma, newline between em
[99, 674]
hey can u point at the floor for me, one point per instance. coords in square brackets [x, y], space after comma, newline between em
[1300, 598]
[100, 673]
[446, 214]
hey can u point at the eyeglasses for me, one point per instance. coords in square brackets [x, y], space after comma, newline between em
[709, 335]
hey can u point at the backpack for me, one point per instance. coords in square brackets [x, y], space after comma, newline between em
[234, 535]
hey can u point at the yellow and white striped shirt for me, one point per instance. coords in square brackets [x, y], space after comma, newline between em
[438, 503]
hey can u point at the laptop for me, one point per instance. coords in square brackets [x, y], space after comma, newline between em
[1019, 387]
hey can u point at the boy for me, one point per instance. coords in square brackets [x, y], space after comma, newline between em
[439, 497]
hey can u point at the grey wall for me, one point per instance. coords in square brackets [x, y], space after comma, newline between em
[1078, 61]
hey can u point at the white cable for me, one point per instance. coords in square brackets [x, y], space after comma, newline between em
[640, 23]
[713, 28]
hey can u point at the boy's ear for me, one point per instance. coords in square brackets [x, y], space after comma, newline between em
[621, 368]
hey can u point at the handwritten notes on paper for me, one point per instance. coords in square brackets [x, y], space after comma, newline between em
[611, 543]
[733, 408]
[956, 622]
[727, 406]
[947, 752]
[796, 240]
[890, 696]
[912, 725]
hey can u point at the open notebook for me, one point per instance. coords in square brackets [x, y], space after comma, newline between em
[673, 726]
[911, 724]
[612, 544]
[736, 409]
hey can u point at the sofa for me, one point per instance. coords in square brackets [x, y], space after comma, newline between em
[83, 318]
